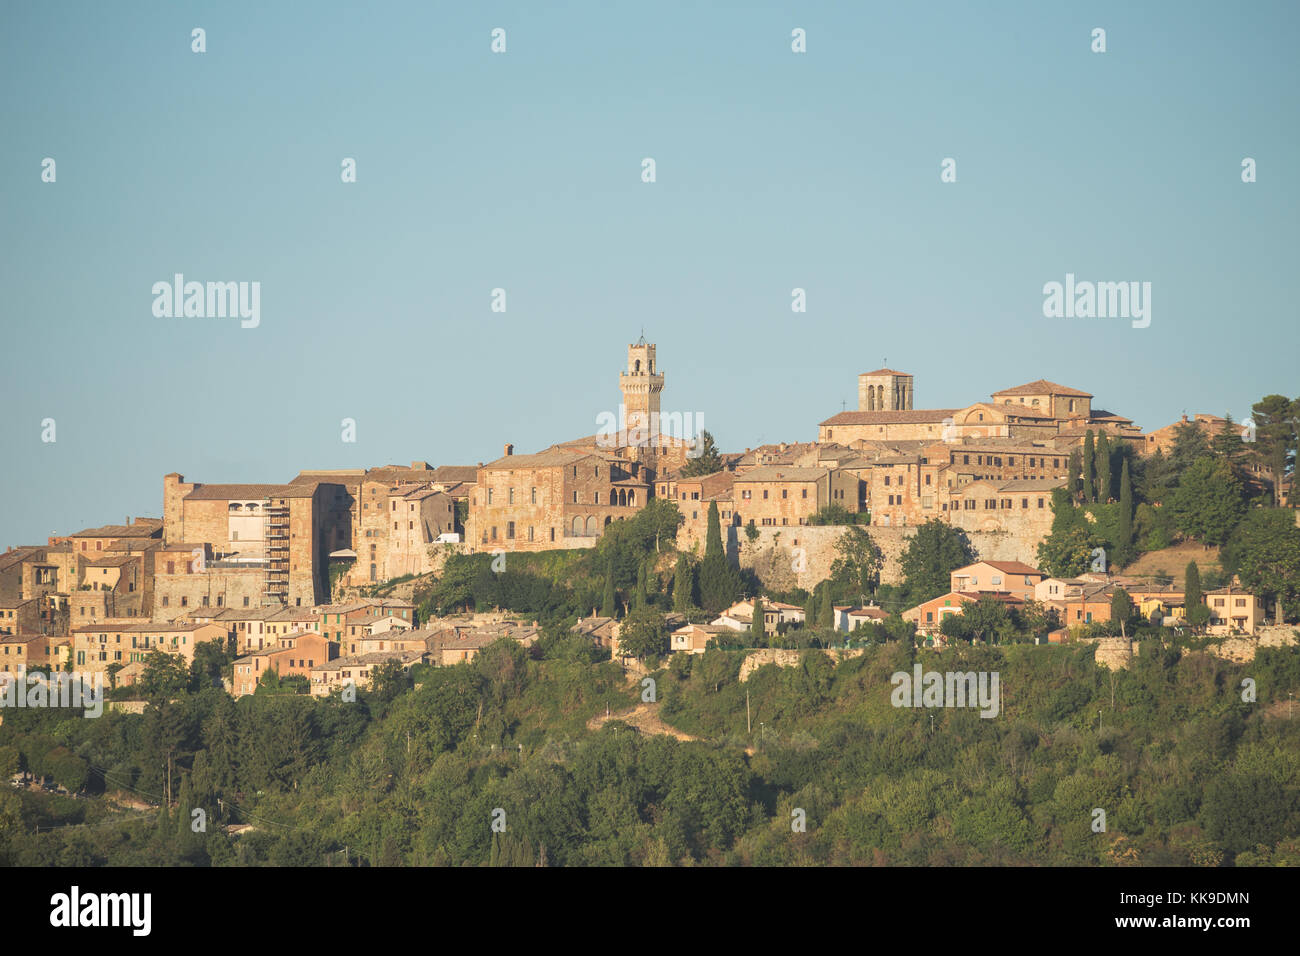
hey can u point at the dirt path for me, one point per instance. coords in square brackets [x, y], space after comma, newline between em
[644, 717]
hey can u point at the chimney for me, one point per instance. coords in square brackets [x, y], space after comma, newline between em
[510, 449]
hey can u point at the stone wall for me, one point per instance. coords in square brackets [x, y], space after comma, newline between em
[178, 594]
[1242, 649]
[1114, 652]
[772, 555]
[789, 658]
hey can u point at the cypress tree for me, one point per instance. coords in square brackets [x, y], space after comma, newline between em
[1126, 548]
[682, 585]
[1192, 586]
[642, 598]
[810, 609]
[607, 606]
[1089, 461]
[719, 584]
[758, 625]
[826, 617]
[1103, 468]
[1076, 479]
[713, 536]
[1198, 612]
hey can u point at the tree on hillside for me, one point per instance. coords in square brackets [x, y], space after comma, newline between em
[758, 623]
[1277, 433]
[1121, 610]
[1208, 502]
[707, 462]
[1265, 553]
[1189, 445]
[1089, 467]
[642, 599]
[713, 534]
[826, 612]
[164, 675]
[1039, 618]
[986, 618]
[1067, 551]
[683, 585]
[719, 583]
[1103, 469]
[1075, 483]
[1155, 477]
[1124, 551]
[933, 553]
[643, 634]
[858, 562]
[1193, 598]
[609, 600]
[1226, 443]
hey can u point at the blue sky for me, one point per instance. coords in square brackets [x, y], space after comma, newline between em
[522, 171]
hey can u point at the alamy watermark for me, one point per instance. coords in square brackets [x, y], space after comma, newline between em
[1098, 300]
[949, 689]
[645, 430]
[213, 300]
[63, 689]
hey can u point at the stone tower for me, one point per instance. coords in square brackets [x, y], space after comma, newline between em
[884, 390]
[641, 386]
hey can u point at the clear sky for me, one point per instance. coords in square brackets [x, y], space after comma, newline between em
[522, 171]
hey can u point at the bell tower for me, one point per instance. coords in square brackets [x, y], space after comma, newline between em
[641, 385]
[884, 390]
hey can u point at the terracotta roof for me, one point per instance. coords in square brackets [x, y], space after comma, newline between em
[121, 531]
[1033, 484]
[250, 492]
[1016, 408]
[545, 459]
[1043, 387]
[445, 474]
[17, 556]
[782, 473]
[113, 562]
[1011, 567]
[19, 638]
[887, 371]
[910, 416]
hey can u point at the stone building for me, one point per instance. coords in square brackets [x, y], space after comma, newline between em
[555, 499]
[285, 532]
[776, 495]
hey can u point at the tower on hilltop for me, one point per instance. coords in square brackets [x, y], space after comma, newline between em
[641, 386]
[884, 390]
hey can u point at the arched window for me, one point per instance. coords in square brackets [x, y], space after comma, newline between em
[593, 528]
[577, 525]
[636, 366]
[622, 496]
[631, 498]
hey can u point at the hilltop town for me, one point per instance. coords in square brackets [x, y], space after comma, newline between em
[297, 579]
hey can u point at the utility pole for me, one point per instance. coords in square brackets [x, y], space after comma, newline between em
[749, 726]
